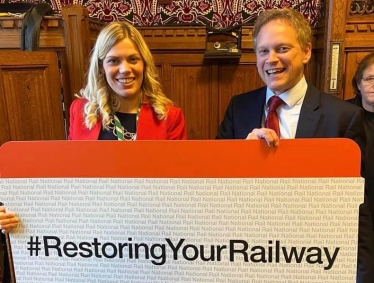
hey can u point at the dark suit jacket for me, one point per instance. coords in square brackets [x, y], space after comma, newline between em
[321, 116]
[4, 263]
[149, 126]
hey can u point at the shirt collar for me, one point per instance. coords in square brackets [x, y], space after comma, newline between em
[292, 96]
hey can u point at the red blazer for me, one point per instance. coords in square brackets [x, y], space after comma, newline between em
[149, 126]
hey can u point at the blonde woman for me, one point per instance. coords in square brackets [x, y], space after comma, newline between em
[123, 99]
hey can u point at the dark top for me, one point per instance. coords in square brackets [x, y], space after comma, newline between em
[128, 122]
[369, 120]
[4, 263]
[369, 168]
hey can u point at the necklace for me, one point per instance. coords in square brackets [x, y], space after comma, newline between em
[119, 131]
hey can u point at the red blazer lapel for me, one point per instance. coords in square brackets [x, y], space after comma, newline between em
[148, 124]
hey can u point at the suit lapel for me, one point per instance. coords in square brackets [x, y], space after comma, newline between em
[258, 110]
[146, 126]
[310, 114]
[251, 112]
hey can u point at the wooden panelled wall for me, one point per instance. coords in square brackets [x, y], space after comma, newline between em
[37, 87]
[33, 84]
[350, 24]
[358, 42]
[202, 88]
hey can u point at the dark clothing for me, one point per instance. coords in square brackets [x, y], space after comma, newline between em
[4, 263]
[128, 122]
[369, 119]
[321, 116]
[365, 252]
[369, 176]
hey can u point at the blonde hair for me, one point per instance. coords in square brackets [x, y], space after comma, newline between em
[102, 100]
[290, 16]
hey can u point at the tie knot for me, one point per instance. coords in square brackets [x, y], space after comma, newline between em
[274, 102]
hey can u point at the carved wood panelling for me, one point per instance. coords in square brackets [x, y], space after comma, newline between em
[360, 28]
[359, 34]
[191, 38]
[94, 30]
[30, 97]
[51, 33]
[192, 90]
[339, 18]
[65, 83]
[359, 40]
[361, 7]
[203, 88]
[236, 79]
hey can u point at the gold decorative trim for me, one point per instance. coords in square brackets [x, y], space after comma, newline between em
[360, 28]
[361, 7]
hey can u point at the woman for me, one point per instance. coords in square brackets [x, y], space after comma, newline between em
[363, 86]
[123, 99]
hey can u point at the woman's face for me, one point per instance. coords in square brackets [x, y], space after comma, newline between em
[123, 67]
[366, 87]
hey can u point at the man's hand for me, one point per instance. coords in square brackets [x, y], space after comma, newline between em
[264, 133]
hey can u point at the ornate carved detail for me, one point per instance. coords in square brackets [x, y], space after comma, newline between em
[11, 27]
[361, 28]
[362, 7]
[181, 31]
[321, 8]
[16, 23]
[95, 26]
[339, 17]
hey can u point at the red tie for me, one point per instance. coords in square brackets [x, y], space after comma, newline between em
[272, 120]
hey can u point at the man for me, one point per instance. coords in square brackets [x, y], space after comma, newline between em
[306, 112]
[288, 107]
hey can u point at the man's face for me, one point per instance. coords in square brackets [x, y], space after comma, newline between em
[280, 58]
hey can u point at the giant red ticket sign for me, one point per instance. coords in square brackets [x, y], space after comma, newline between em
[183, 211]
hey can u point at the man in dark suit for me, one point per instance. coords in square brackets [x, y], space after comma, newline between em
[282, 41]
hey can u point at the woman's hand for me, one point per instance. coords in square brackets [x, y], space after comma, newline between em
[8, 220]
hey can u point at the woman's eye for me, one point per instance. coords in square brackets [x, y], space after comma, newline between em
[134, 59]
[369, 80]
[111, 61]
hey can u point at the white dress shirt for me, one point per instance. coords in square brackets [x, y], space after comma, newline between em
[288, 112]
